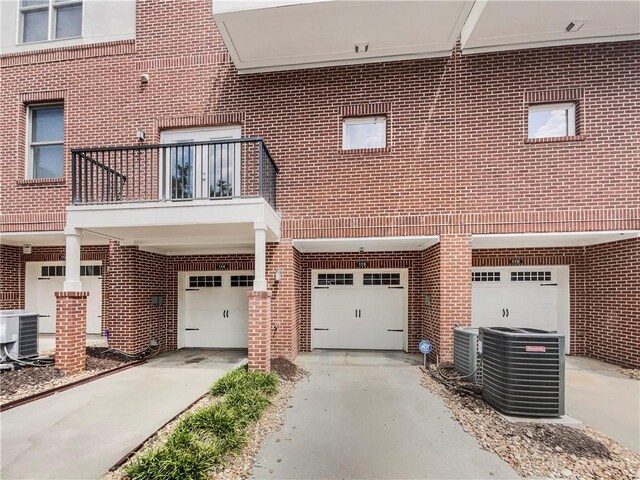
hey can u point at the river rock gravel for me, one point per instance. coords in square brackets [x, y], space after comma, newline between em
[538, 450]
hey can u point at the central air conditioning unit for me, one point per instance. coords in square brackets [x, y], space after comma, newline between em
[18, 334]
[523, 371]
[466, 353]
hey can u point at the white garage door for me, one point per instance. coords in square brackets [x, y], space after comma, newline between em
[43, 279]
[533, 297]
[362, 309]
[214, 309]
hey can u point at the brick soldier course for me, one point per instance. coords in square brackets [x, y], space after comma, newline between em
[458, 162]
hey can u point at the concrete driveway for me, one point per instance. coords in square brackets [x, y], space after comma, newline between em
[365, 415]
[80, 433]
[605, 399]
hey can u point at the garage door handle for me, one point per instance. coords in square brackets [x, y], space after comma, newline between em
[548, 284]
[192, 289]
[323, 329]
[507, 312]
[44, 316]
[44, 278]
[191, 329]
[391, 330]
[397, 287]
[320, 287]
[503, 313]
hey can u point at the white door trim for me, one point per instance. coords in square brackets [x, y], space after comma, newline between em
[404, 281]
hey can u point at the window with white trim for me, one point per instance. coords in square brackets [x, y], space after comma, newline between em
[552, 120]
[42, 20]
[364, 132]
[45, 138]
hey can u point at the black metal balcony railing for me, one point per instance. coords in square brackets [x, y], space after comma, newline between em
[219, 169]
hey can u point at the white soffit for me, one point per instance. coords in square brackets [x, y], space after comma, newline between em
[294, 35]
[510, 25]
[566, 239]
[44, 239]
[368, 244]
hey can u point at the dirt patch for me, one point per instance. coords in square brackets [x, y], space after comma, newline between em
[287, 370]
[539, 450]
[28, 381]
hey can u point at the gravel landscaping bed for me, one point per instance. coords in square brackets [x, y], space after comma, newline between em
[631, 372]
[28, 381]
[539, 450]
[240, 465]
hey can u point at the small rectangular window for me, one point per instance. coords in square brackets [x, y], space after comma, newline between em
[552, 120]
[328, 279]
[45, 141]
[485, 277]
[531, 276]
[43, 20]
[242, 280]
[53, 271]
[90, 271]
[364, 132]
[381, 279]
[205, 281]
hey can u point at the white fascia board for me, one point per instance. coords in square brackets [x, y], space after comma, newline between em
[472, 21]
[227, 6]
[95, 217]
[352, 244]
[337, 63]
[551, 43]
[550, 239]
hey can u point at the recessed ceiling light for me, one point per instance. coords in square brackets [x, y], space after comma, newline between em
[574, 26]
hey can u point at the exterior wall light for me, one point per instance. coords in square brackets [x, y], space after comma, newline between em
[278, 275]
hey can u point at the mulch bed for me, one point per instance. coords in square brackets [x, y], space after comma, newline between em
[631, 372]
[27, 381]
[538, 450]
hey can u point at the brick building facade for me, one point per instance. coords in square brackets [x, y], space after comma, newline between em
[457, 164]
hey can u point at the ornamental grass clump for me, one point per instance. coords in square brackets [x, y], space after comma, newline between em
[204, 437]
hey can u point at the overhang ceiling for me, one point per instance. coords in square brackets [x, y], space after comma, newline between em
[43, 239]
[510, 25]
[293, 35]
[545, 240]
[268, 35]
[365, 244]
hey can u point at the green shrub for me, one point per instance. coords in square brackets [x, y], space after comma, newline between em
[204, 437]
[183, 457]
[240, 378]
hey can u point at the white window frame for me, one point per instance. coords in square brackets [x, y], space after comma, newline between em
[570, 107]
[363, 121]
[29, 171]
[52, 17]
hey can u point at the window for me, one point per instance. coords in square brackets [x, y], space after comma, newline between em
[381, 279]
[43, 20]
[205, 281]
[242, 280]
[90, 271]
[552, 120]
[53, 271]
[485, 277]
[364, 132]
[531, 276]
[45, 138]
[335, 279]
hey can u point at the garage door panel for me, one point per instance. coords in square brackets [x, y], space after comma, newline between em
[214, 316]
[358, 316]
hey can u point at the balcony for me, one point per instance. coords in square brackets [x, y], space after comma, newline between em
[177, 198]
[213, 170]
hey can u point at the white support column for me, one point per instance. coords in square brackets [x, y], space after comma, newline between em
[72, 260]
[260, 275]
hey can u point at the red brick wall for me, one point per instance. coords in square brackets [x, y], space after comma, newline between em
[439, 115]
[431, 282]
[612, 282]
[11, 283]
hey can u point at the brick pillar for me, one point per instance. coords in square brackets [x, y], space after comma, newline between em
[71, 331]
[259, 330]
[455, 289]
[10, 276]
